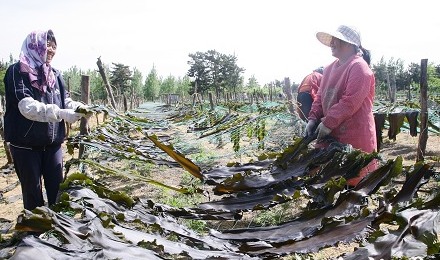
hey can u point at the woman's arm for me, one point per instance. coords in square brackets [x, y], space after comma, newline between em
[358, 88]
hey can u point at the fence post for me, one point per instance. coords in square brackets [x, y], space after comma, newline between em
[288, 91]
[85, 98]
[211, 101]
[423, 138]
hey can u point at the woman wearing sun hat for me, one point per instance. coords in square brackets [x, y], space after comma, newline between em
[344, 101]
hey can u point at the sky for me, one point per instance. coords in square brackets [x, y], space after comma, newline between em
[271, 39]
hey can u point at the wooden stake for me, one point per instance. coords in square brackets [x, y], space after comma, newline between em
[423, 138]
[108, 88]
[85, 98]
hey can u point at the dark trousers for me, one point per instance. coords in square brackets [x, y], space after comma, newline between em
[30, 166]
[305, 101]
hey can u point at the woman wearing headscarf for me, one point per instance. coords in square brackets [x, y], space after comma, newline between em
[344, 102]
[37, 107]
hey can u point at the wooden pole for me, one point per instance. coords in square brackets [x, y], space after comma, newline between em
[68, 84]
[211, 101]
[270, 93]
[195, 93]
[423, 138]
[124, 102]
[85, 98]
[288, 91]
[108, 88]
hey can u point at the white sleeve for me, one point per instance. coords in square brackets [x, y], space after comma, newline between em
[72, 104]
[38, 111]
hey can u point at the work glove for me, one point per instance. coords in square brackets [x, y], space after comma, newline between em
[84, 111]
[310, 126]
[69, 115]
[323, 131]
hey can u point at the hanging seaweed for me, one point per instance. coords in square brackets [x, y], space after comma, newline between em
[412, 116]
[232, 124]
[250, 131]
[396, 122]
[379, 120]
[261, 132]
[235, 139]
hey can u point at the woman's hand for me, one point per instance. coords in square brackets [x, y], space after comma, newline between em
[323, 131]
[310, 127]
[69, 115]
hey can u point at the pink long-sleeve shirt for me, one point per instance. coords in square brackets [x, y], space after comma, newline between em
[344, 103]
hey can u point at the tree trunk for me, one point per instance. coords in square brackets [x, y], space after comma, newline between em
[211, 101]
[124, 102]
[195, 93]
[270, 93]
[108, 88]
[288, 91]
[391, 87]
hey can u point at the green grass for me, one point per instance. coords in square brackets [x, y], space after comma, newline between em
[204, 158]
[276, 215]
[199, 226]
[178, 200]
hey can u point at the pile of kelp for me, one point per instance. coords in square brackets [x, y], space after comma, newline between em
[91, 221]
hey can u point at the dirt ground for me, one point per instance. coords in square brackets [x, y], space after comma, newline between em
[405, 146]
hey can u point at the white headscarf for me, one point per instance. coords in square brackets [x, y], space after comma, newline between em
[33, 61]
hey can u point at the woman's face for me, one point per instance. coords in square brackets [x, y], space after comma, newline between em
[336, 46]
[51, 50]
[341, 50]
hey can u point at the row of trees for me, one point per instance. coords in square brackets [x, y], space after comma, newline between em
[215, 72]
[392, 76]
[127, 83]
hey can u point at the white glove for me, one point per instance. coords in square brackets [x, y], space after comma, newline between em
[81, 108]
[323, 131]
[69, 115]
[309, 128]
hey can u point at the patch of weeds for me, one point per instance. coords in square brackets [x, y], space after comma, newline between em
[268, 218]
[204, 158]
[276, 215]
[181, 201]
[140, 167]
[173, 236]
[199, 226]
[144, 168]
[188, 181]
